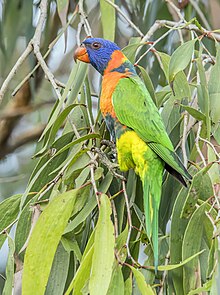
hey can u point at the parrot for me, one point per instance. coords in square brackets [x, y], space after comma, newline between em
[136, 126]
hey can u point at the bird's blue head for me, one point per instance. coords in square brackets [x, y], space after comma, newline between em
[96, 51]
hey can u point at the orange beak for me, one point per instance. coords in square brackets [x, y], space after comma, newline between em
[81, 54]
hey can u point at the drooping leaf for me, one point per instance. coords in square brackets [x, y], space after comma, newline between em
[130, 50]
[62, 7]
[90, 205]
[191, 245]
[144, 288]
[214, 170]
[44, 241]
[59, 272]
[200, 188]
[9, 209]
[203, 95]
[214, 88]
[73, 85]
[82, 274]
[194, 113]
[108, 20]
[181, 58]
[148, 83]
[70, 245]
[178, 226]
[116, 286]
[128, 286]
[103, 256]
[9, 268]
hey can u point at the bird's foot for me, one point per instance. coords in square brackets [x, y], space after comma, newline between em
[110, 165]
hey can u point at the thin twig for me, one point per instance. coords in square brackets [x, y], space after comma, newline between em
[211, 145]
[125, 17]
[105, 161]
[35, 41]
[115, 218]
[84, 20]
[130, 227]
[197, 143]
[187, 26]
[200, 13]
[176, 9]
[154, 43]
[46, 70]
[8, 226]
[50, 47]
[184, 137]
[92, 166]
[4, 278]
[167, 258]
[92, 173]
[14, 70]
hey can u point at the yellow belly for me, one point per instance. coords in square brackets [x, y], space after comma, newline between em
[131, 150]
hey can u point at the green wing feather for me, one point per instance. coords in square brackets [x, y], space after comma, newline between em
[135, 108]
[152, 193]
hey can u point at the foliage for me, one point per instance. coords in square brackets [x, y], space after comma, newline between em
[79, 226]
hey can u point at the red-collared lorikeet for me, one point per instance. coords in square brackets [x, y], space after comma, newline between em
[135, 123]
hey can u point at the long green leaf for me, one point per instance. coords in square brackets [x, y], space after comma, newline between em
[174, 266]
[103, 256]
[59, 272]
[9, 268]
[9, 209]
[82, 274]
[144, 288]
[178, 226]
[214, 88]
[44, 241]
[191, 245]
[108, 20]
[181, 58]
[74, 83]
[116, 286]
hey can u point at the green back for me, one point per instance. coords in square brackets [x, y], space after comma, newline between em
[135, 108]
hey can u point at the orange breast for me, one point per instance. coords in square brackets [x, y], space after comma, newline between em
[109, 82]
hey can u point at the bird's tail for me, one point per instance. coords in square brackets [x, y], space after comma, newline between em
[152, 185]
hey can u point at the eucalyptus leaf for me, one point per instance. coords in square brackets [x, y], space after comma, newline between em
[108, 20]
[144, 288]
[9, 268]
[181, 58]
[214, 88]
[191, 245]
[9, 209]
[103, 257]
[44, 241]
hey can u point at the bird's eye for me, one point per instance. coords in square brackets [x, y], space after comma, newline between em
[96, 45]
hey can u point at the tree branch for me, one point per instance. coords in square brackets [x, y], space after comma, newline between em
[26, 137]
